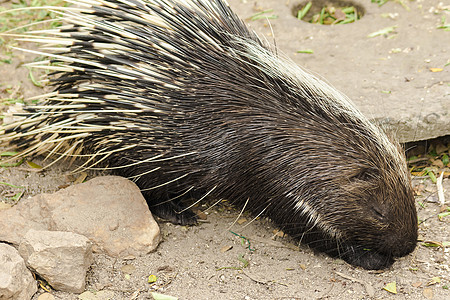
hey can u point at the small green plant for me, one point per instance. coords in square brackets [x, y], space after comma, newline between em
[444, 25]
[380, 2]
[263, 15]
[330, 15]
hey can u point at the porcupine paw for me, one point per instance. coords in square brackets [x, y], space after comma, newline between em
[369, 260]
[175, 214]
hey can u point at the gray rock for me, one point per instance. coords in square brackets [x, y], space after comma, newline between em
[61, 258]
[110, 211]
[16, 281]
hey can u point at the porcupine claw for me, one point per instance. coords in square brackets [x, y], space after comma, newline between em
[175, 213]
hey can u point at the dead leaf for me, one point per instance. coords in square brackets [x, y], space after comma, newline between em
[438, 163]
[419, 189]
[165, 268]
[277, 233]
[436, 69]
[428, 293]
[441, 148]
[81, 178]
[152, 278]
[416, 284]
[201, 215]
[226, 248]
[391, 287]
[339, 15]
[241, 221]
[434, 280]
[33, 165]
[432, 244]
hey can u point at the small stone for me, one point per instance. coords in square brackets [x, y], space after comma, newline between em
[427, 293]
[128, 269]
[16, 281]
[61, 258]
[46, 296]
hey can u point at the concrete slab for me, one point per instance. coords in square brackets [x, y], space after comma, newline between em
[388, 78]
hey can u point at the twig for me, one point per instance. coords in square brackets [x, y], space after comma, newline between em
[440, 189]
[254, 279]
[369, 289]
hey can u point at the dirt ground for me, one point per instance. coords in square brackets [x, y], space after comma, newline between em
[209, 261]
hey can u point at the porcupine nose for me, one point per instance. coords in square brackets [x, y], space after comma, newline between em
[401, 242]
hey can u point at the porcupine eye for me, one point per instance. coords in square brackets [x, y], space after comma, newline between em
[367, 177]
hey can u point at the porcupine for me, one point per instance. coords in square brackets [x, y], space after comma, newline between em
[182, 98]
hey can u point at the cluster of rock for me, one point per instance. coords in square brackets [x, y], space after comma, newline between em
[54, 235]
